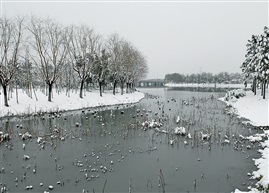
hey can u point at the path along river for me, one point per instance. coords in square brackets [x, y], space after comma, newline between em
[107, 149]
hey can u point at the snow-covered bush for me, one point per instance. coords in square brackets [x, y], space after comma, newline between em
[234, 94]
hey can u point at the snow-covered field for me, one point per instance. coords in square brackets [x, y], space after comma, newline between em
[207, 85]
[256, 110]
[61, 102]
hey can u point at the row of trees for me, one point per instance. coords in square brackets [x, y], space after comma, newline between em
[256, 64]
[35, 51]
[204, 77]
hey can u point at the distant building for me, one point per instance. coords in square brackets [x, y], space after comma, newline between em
[151, 83]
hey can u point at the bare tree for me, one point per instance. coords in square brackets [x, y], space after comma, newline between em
[82, 43]
[11, 36]
[114, 46]
[127, 64]
[136, 68]
[129, 54]
[50, 49]
[100, 68]
[123, 68]
[139, 69]
[132, 68]
[25, 72]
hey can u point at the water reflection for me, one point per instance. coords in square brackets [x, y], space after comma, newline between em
[198, 89]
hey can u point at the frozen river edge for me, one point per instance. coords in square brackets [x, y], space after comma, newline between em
[62, 102]
[255, 109]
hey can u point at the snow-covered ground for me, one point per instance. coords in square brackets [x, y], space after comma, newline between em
[256, 110]
[61, 102]
[206, 85]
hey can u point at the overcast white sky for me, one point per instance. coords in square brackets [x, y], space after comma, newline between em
[183, 37]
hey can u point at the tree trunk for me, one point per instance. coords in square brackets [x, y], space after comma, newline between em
[114, 87]
[81, 89]
[30, 89]
[5, 95]
[10, 91]
[132, 87]
[100, 88]
[264, 88]
[34, 92]
[50, 91]
[103, 87]
[254, 86]
[69, 88]
[121, 87]
[127, 87]
[17, 97]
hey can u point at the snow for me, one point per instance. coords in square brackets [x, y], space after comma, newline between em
[253, 190]
[254, 138]
[39, 139]
[178, 119]
[256, 110]
[252, 107]
[180, 131]
[61, 102]
[152, 124]
[234, 94]
[263, 165]
[205, 136]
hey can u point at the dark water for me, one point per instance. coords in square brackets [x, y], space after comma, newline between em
[110, 151]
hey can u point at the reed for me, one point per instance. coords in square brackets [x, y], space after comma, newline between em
[104, 186]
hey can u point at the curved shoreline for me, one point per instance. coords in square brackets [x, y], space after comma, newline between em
[62, 103]
[251, 107]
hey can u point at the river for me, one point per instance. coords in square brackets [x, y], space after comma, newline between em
[107, 149]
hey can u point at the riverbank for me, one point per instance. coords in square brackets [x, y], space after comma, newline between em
[256, 110]
[62, 102]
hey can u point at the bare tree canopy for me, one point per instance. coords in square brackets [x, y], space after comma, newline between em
[50, 49]
[11, 37]
[44, 53]
[82, 43]
[127, 64]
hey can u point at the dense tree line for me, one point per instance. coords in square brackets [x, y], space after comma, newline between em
[38, 52]
[205, 77]
[256, 64]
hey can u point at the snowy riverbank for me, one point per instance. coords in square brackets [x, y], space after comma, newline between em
[61, 102]
[256, 110]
